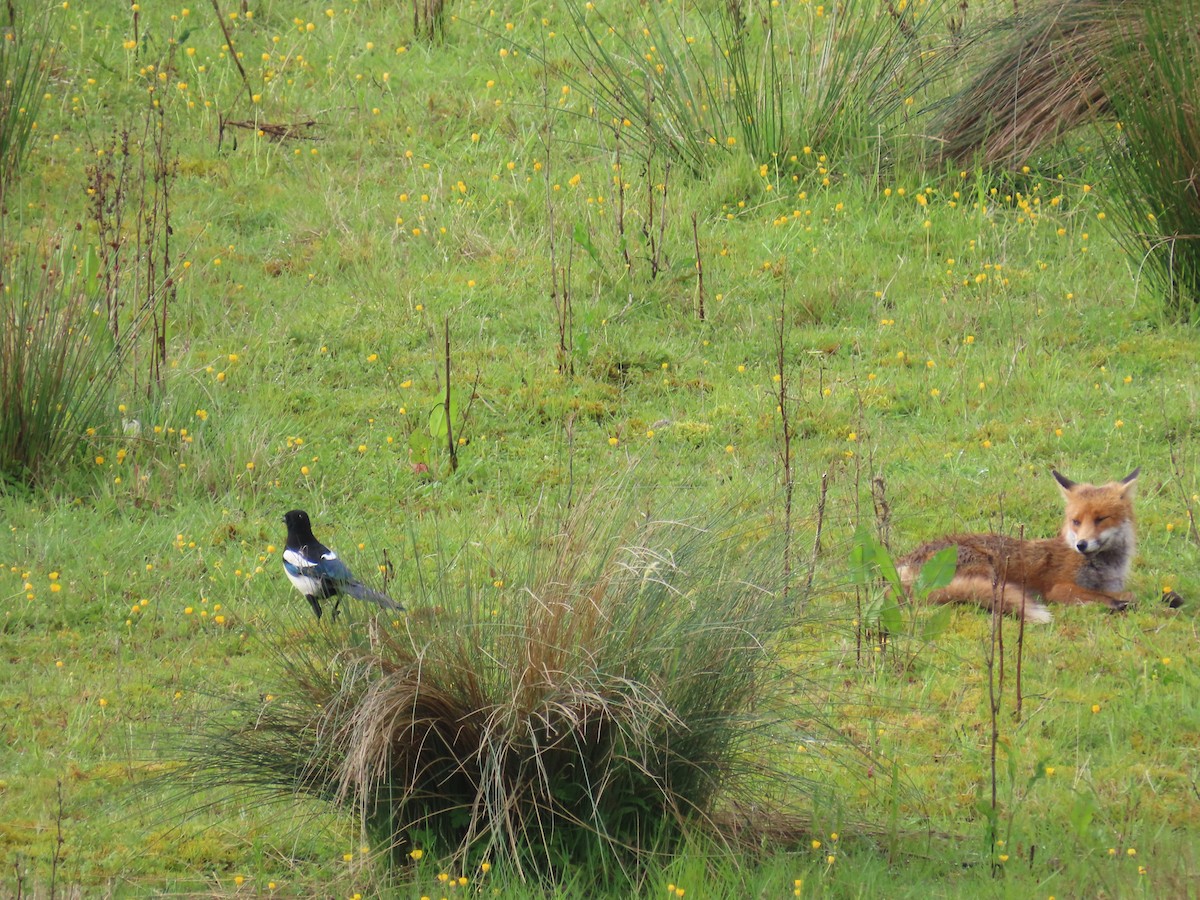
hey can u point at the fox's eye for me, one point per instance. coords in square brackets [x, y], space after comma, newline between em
[1075, 523]
[1100, 519]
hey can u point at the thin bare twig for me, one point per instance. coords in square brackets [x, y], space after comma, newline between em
[786, 433]
[570, 460]
[656, 263]
[995, 671]
[1184, 495]
[1020, 638]
[883, 511]
[621, 241]
[449, 418]
[566, 317]
[56, 856]
[233, 52]
[816, 547]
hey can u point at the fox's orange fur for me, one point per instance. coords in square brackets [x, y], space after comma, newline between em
[1087, 563]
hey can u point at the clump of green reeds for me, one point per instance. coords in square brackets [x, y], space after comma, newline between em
[57, 361]
[620, 690]
[23, 67]
[1153, 84]
[751, 78]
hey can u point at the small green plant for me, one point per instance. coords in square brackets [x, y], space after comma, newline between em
[870, 564]
[439, 432]
[998, 835]
[447, 420]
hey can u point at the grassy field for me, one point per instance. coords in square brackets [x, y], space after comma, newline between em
[947, 340]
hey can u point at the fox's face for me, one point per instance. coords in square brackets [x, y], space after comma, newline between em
[1090, 530]
[1098, 517]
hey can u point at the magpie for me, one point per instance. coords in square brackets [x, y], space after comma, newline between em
[317, 572]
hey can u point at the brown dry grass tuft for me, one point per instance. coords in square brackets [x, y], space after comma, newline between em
[1045, 79]
[625, 690]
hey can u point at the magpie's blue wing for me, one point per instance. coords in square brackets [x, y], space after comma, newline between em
[326, 567]
[331, 567]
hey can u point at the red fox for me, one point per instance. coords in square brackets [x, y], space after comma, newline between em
[1088, 563]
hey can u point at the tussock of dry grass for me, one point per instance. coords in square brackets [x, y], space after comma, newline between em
[611, 698]
[1045, 79]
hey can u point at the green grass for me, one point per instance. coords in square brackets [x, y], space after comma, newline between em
[957, 349]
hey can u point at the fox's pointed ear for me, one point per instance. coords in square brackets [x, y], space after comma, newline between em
[1130, 481]
[1065, 484]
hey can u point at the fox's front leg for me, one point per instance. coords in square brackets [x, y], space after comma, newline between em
[1068, 592]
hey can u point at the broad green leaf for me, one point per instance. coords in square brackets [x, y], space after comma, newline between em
[883, 561]
[438, 427]
[936, 624]
[937, 572]
[583, 345]
[584, 240]
[418, 444]
[889, 613]
[992, 816]
[1083, 810]
[1010, 757]
[871, 610]
[862, 557]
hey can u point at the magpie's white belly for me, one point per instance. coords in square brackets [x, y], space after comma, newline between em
[309, 587]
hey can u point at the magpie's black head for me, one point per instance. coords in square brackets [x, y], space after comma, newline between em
[297, 523]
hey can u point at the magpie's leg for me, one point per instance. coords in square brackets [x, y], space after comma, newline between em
[316, 605]
[337, 603]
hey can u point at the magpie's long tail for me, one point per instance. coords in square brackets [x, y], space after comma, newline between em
[362, 592]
